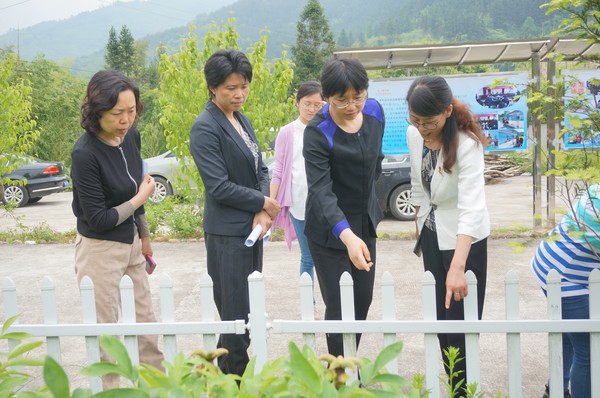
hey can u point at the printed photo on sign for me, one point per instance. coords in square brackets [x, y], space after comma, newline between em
[582, 97]
[496, 98]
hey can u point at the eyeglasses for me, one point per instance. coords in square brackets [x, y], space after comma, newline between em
[426, 126]
[346, 103]
[311, 106]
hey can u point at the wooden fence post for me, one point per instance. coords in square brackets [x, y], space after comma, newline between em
[307, 308]
[472, 339]
[88, 306]
[50, 316]
[595, 336]
[258, 319]
[347, 300]
[388, 309]
[432, 366]
[128, 311]
[208, 309]
[555, 351]
[167, 310]
[513, 340]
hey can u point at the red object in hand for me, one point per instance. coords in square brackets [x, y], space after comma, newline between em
[150, 264]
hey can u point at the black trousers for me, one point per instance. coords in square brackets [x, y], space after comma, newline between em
[229, 264]
[330, 264]
[438, 263]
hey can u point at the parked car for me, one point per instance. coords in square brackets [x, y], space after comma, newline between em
[392, 188]
[39, 178]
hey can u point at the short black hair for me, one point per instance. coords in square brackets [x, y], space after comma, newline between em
[224, 63]
[102, 95]
[339, 75]
[308, 88]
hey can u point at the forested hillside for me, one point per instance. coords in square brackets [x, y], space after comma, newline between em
[355, 23]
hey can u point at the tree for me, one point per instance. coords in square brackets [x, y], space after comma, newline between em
[121, 53]
[314, 43]
[17, 127]
[56, 100]
[344, 40]
[183, 91]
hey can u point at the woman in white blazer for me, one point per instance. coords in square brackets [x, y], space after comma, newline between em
[446, 152]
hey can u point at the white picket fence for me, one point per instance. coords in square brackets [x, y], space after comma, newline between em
[260, 326]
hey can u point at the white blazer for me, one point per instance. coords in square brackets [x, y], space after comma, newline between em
[458, 197]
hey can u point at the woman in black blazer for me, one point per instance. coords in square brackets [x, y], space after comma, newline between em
[236, 184]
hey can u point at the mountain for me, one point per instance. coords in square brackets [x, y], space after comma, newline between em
[377, 23]
[87, 32]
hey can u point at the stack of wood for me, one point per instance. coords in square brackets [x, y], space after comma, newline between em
[497, 166]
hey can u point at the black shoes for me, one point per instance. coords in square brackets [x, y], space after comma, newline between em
[547, 393]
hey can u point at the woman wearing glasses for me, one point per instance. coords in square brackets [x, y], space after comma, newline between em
[288, 184]
[342, 151]
[446, 154]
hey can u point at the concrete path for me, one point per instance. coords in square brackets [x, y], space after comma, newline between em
[510, 204]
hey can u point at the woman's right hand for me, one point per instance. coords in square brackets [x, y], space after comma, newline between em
[271, 206]
[357, 250]
[145, 190]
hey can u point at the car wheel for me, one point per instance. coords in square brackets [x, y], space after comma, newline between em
[162, 190]
[400, 205]
[16, 195]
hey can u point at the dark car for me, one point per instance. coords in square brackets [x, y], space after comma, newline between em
[393, 188]
[37, 178]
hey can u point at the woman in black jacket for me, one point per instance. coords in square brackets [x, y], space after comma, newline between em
[109, 190]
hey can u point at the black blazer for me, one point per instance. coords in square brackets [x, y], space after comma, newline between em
[234, 190]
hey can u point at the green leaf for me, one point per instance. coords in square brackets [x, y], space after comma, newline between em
[16, 336]
[115, 348]
[8, 323]
[122, 393]
[302, 370]
[101, 369]
[387, 355]
[391, 378]
[82, 393]
[23, 348]
[25, 362]
[56, 379]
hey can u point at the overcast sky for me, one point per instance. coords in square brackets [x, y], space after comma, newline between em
[23, 13]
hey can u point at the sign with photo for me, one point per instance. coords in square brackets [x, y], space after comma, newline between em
[583, 85]
[495, 98]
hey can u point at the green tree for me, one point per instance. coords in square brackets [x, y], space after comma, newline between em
[183, 91]
[112, 55]
[314, 43]
[56, 99]
[17, 127]
[344, 40]
[120, 52]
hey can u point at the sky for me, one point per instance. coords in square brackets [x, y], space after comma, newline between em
[23, 13]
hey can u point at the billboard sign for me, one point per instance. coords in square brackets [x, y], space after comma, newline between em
[495, 98]
[582, 85]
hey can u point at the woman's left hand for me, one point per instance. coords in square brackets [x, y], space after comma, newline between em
[456, 284]
[146, 246]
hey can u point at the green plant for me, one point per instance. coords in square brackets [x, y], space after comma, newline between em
[11, 377]
[173, 217]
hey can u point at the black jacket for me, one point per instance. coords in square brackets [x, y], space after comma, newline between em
[341, 170]
[234, 190]
[104, 177]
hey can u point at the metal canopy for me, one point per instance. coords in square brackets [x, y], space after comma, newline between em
[468, 53]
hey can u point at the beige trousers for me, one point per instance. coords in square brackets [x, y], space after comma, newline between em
[105, 262]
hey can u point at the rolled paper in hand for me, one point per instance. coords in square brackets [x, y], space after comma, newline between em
[253, 237]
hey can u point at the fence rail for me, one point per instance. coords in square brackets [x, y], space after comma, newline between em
[260, 326]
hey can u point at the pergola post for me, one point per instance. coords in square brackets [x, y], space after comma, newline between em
[551, 141]
[537, 145]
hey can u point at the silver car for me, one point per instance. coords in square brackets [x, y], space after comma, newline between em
[164, 169]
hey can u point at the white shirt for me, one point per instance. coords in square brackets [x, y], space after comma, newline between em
[299, 184]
